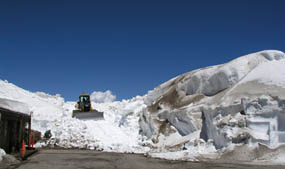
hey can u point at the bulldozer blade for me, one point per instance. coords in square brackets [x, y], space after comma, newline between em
[92, 115]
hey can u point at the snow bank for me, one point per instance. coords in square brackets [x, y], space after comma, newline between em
[118, 132]
[2, 153]
[46, 108]
[198, 86]
[14, 106]
[240, 102]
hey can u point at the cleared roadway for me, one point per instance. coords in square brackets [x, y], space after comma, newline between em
[84, 159]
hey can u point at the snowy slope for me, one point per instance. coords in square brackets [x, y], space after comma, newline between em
[118, 132]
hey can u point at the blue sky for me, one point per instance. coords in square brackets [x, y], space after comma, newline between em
[128, 47]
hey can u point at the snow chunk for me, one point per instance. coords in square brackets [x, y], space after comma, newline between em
[102, 97]
[14, 106]
[203, 151]
[2, 153]
[272, 54]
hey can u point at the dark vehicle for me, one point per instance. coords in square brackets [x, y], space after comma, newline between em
[84, 109]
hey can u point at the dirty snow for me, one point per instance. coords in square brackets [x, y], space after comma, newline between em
[209, 100]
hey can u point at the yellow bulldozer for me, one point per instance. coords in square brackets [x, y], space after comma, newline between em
[83, 109]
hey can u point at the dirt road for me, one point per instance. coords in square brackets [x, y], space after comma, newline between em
[83, 159]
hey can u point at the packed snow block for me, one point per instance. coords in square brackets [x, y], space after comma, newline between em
[209, 83]
[266, 116]
[124, 119]
[180, 120]
[273, 55]
[146, 124]
[210, 131]
[281, 120]
[217, 82]
[232, 109]
[281, 103]
[192, 85]
[261, 132]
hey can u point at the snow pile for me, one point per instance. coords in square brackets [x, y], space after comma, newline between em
[119, 131]
[198, 151]
[46, 108]
[204, 86]
[14, 106]
[240, 102]
[102, 97]
[2, 153]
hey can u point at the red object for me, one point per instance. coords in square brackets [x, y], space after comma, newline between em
[23, 146]
[23, 149]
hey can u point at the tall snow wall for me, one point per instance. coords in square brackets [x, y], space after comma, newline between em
[210, 100]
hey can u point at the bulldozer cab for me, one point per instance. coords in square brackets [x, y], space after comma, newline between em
[84, 98]
[84, 104]
[84, 109]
